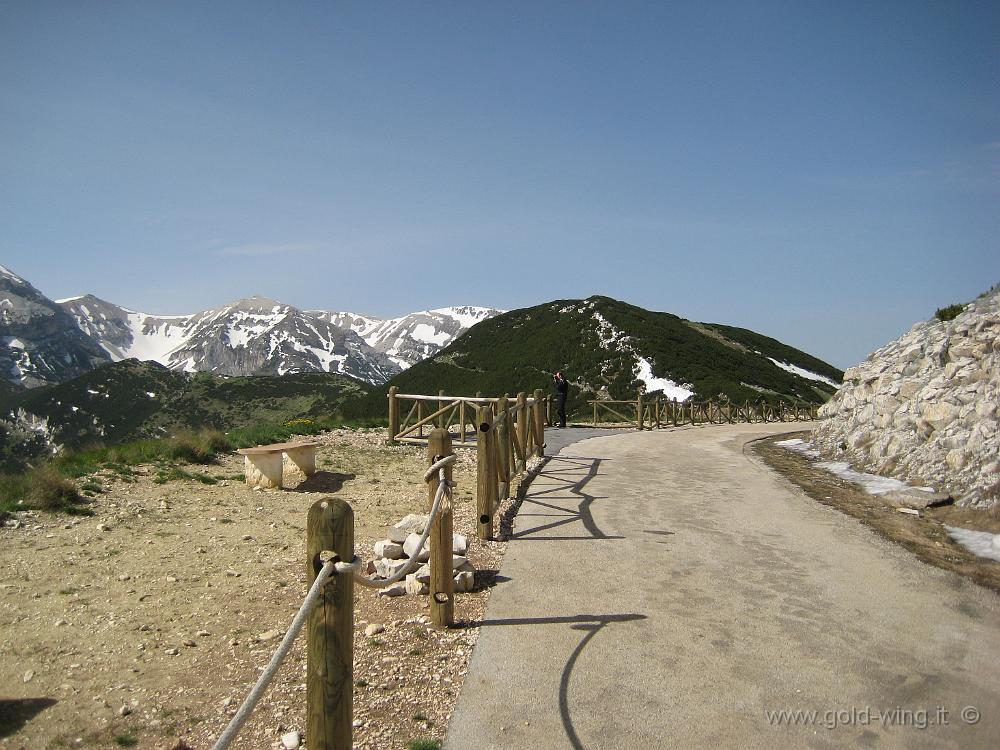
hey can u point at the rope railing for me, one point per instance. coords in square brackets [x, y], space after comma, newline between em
[250, 702]
[331, 566]
[444, 489]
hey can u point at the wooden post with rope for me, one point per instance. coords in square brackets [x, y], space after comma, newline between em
[442, 585]
[330, 650]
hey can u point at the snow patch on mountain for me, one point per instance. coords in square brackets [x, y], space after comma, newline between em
[644, 372]
[803, 373]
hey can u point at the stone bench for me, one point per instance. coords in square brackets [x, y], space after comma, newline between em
[263, 464]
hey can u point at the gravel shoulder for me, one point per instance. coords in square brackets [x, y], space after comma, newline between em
[146, 624]
[924, 535]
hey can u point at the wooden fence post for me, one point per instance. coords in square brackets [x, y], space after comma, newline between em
[420, 416]
[539, 423]
[502, 444]
[393, 413]
[442, 586]
[522, 423]
[441, 417]
[461, 418]
[486, 473]
[330, 628]
[638, 410]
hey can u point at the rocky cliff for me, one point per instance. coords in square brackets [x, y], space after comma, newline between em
[924, 408]
[39, 342]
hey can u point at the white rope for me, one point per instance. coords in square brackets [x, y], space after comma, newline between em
[444, 488]
[237, 722]
[329, 568]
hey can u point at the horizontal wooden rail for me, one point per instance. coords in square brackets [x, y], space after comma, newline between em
[658, 412]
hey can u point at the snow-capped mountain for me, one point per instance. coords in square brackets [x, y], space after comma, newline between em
[414, 337]
[255, 336]
[260, 336]
[38, 341]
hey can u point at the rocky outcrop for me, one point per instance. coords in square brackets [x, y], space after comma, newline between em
[924, 408]
[39, 342]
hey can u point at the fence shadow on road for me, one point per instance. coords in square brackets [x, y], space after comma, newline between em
[591, 625]
[565, 472]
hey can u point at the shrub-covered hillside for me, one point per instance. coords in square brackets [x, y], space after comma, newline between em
[599, 343]
[130, 399]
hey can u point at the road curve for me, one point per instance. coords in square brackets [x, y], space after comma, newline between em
[665, 589]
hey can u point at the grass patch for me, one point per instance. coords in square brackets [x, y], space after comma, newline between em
[166, 474]
[126, 739]
[423, 743]
[43, 488]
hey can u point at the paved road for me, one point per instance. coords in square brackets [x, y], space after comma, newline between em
[663, 589]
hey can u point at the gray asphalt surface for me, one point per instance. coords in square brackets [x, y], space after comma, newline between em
[663, 589]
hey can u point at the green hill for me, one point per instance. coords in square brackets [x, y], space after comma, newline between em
[131, 399]
[598, 342]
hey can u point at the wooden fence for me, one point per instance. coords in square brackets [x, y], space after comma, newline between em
[661, 412]
[411, 415]
[506, 433]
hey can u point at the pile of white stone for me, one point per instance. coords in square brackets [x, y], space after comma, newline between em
[402, 546]
[924, 408]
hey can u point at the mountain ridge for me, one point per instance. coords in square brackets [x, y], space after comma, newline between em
[611, 349]
[249, 336]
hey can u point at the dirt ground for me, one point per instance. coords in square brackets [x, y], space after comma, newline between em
[146, 624]
[924, 535]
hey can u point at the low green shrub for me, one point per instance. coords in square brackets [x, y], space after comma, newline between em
[196, 447]
[948, 313]
[42, 488]
[166, 474]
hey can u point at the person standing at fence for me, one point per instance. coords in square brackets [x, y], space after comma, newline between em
[562, 388]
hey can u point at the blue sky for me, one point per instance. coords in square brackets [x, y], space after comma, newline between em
[824, 173]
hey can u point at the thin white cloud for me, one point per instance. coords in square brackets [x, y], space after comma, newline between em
[254, 250]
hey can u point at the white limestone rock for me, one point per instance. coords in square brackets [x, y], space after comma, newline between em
[411, 548]
[388, 549]
[388, 568]
[460, 544]
[396, 589]
[416, 586]
[464, 582]
[924, 408]
[411, 524]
